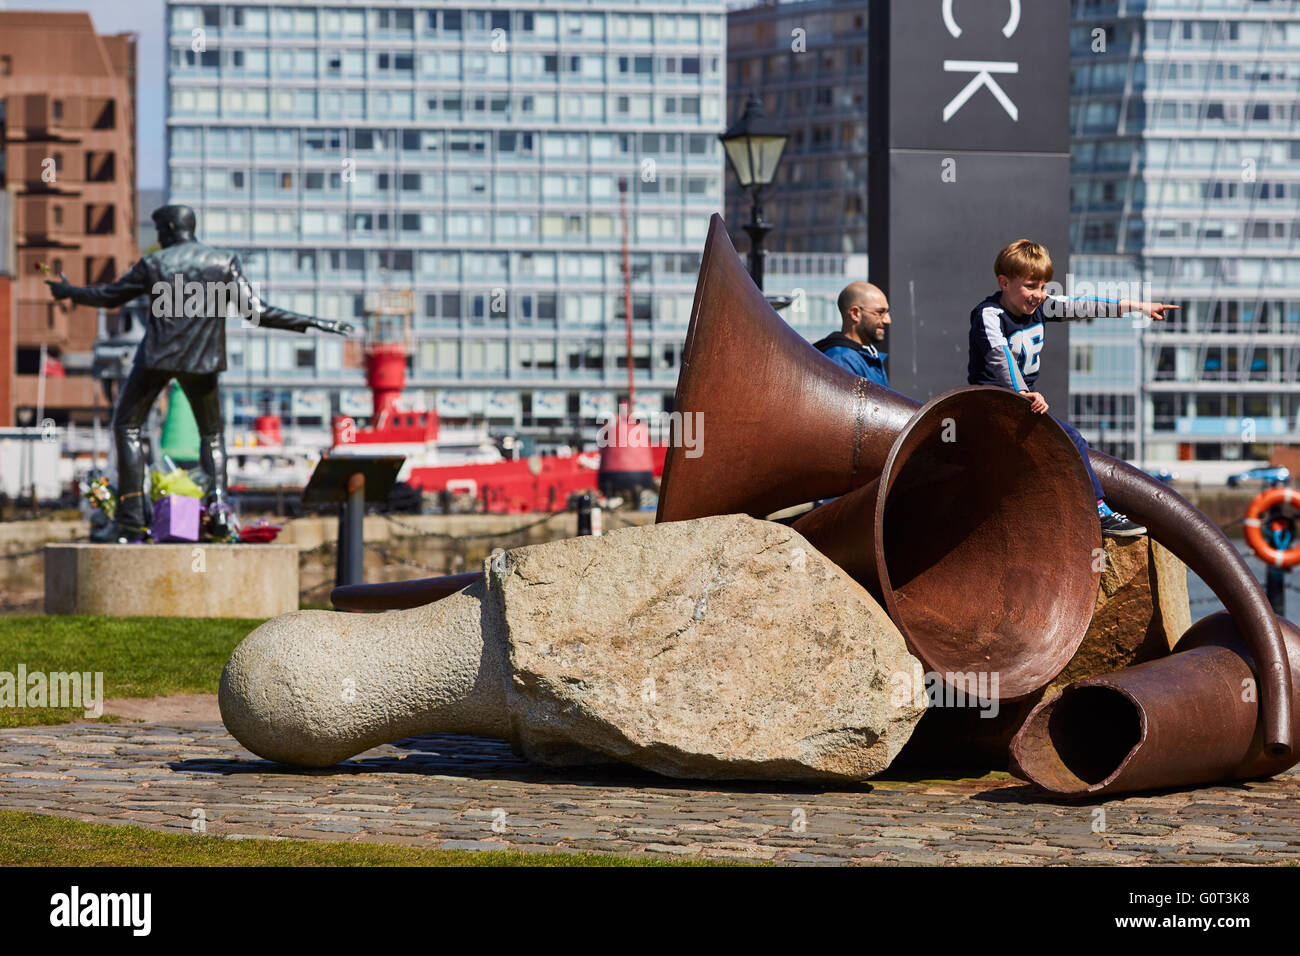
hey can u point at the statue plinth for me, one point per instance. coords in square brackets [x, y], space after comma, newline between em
[171, 580]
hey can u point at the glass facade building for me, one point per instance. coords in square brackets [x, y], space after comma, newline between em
[1185, 118]
[470, 154]
[808, 63]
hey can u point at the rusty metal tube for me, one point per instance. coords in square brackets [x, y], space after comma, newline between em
[1190, 718]
[399, 595]
[978, 538]
[1201, 545]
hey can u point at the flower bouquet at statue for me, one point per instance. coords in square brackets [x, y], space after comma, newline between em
[101, 495]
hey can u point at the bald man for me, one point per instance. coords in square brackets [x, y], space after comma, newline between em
[864, 312]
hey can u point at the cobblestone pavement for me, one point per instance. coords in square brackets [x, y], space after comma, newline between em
[473, 793]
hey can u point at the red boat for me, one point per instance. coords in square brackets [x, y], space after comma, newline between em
[457, 460]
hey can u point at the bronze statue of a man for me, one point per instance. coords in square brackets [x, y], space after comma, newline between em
[190, 286]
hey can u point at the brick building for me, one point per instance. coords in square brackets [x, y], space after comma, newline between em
[67, 157]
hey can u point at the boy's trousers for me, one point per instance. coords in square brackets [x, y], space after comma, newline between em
[1082, 445]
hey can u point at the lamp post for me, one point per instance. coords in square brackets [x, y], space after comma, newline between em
[754, 144]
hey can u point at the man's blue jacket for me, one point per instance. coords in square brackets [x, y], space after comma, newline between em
[865, 361]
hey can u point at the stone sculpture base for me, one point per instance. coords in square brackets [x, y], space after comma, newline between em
[724, 648]
[171, 580]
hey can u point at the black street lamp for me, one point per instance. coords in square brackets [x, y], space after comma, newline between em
[754, 144]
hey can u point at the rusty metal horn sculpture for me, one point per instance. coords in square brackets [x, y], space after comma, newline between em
[838, 430]
[978, 537]
[1186, 719]
[1201, 545]
[944, 547]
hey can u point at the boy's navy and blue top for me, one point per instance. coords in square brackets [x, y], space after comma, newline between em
[865, 361]
[1006, 349]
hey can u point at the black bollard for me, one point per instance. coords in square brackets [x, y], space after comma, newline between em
[352, 518]
[582, 503]
[1279, 531]
[1275, 589]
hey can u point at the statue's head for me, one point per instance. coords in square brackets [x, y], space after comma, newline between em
[174, 223]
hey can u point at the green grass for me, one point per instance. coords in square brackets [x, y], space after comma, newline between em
[138, 656]
[29, 839]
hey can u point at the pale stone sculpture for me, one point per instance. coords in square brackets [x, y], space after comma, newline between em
[720, 648]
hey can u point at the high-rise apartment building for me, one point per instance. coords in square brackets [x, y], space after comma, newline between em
[67, 158]
[472, 154]
[1186, 178]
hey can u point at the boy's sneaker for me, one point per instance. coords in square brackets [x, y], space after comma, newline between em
[1117, 525]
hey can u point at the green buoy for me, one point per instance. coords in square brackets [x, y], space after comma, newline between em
[180, 432]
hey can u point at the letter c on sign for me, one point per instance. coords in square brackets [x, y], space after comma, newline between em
[1013, 21]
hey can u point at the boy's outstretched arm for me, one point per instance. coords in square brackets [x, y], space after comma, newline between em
[1090, 307]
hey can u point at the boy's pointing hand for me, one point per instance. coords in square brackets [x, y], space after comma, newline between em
[1156, 310]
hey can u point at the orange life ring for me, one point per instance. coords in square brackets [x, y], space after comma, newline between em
[1255, 538]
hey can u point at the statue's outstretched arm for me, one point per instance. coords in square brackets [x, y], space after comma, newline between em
[263, 314]
[106, 295]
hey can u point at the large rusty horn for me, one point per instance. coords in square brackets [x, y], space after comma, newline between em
[785, 424]
[978, 537]
[1201, 545]
[981, 545]
[1186, 719]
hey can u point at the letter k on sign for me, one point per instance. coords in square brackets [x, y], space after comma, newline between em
[982, 70]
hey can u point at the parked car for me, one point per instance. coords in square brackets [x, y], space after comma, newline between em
[1164, 475]
[1267, 477]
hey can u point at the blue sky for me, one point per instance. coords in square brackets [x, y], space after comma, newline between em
[143, 17]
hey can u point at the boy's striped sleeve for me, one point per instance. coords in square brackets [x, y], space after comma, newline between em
[1067, 307]
[997, 352]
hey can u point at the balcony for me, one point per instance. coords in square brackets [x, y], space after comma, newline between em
[100, 219]
[47, 221]
[100, 167]
[42, 321]
[75, 391]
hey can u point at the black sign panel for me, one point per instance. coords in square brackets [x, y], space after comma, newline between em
[969, 134]
[980, 74]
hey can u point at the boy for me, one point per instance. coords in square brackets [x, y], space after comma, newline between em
[1006, 343]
